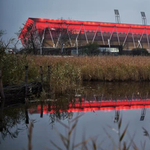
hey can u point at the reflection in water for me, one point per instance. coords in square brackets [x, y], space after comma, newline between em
[117, 115]
[100, 98]
[41, 109]
[143, 113]
[58, 112]
[117, 90]
[81, 104]
[11, 118]
[26, 112]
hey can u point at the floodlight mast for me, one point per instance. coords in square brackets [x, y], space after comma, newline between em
[117, 16]
[144, 20]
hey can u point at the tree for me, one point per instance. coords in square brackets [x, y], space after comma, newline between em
[10, 65]
[29, 38]
[139, 51]
[90, 49]
[3, 46]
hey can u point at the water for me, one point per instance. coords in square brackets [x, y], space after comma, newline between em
[94, 122]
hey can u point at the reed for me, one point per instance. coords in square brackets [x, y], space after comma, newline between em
[30, 136]
[68, 72]
[13, 68]
[68, 140]
[120, 145]
[105, 68]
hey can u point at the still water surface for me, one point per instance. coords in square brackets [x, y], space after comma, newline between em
[93, 123]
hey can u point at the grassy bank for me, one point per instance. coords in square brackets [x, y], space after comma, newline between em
[67, 72]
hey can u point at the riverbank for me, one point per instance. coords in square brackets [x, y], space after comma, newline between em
[66, 73]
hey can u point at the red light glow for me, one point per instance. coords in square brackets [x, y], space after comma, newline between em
[96, 106]
[105, 27]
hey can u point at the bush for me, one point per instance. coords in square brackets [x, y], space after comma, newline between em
[13, 68]
[139, 51]
[90, 49]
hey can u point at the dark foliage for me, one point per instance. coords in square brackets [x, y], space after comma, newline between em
[90, 49]
[139, 51]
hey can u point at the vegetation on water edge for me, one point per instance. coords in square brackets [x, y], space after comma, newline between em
[67, 72]
[105, 68]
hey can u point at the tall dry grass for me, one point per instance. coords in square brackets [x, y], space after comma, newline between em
[68, 72]
[105, 68]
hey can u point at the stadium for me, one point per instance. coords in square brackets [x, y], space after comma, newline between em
[53, 34]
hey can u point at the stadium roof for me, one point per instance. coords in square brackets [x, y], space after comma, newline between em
[88, 25]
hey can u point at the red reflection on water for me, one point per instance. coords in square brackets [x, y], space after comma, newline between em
[94, 106]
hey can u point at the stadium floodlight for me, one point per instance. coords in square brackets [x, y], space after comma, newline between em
[116, 11]
[117, 16]
[143, 14]
[144, 21]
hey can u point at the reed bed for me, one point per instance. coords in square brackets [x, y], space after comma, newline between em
[68, 72]
[105, 68]
[12, 67]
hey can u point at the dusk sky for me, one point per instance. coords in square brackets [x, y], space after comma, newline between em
[13, 13]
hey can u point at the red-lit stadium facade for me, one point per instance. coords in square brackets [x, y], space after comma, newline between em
[53, 33]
